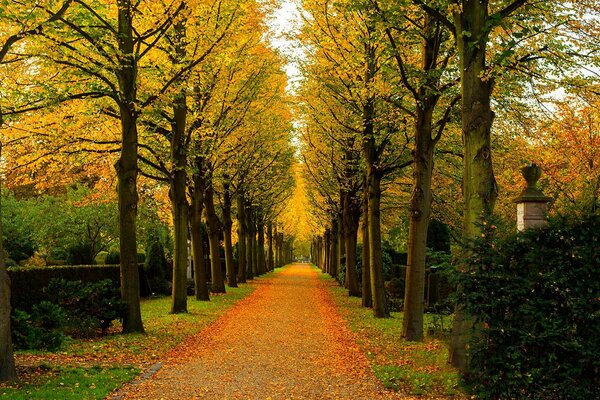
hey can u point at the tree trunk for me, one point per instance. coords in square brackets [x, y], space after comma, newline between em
[7, 359]
[227, 224]
[197, 192]
[420, 210]
[479, 184]
[177, 193]
[217, 283]
[270, 264]
[376, 263]
[420, 203]
[334, 247]
[242, 233]
[249, 253]
[280, 250]
[367, 298]
[127, 169]
[255, 261]
[351, 217]
[262, 266]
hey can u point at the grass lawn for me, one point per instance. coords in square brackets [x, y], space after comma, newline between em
[92, 368]
[411, 368]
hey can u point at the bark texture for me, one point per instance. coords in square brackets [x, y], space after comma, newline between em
[127, 170]
[217, 284]
[197, 233]
[479, 184]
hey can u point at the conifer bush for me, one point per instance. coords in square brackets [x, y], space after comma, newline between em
[535, 297]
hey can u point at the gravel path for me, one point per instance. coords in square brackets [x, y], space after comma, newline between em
[284, 341]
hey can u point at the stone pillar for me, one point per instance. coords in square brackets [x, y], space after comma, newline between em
[532, 204]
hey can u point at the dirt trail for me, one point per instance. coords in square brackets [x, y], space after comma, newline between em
[284, 341]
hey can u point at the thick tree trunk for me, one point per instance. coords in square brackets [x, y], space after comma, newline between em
[367, 297]
[127, 169]
[376, 263]
[420, 210]
[177, 193]
[201, 289]
[351, 217]
[270, 263]
[227, 224]
[217, 284]
[7, 359]
[262, 266]
[242, 233]
[479, 184]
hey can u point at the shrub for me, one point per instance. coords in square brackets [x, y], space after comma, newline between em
[112, 258]
[386, 257]
[155, 267]
[536, 297]
[395, 293]
[40, 330]
[80, 254]
[88, 305]
[27, 284]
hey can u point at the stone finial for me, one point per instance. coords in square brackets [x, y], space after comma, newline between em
[532, 204]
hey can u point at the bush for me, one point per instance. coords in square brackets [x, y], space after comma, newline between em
[80, 254]
[536, 297]
[88, 305]
[112, 258]
[155, 267]
[438, 236]
[395, 293]
[386, 257]
[41, 329]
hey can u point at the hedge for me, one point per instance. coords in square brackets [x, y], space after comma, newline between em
[27, 284]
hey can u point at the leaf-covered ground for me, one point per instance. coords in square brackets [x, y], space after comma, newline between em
[410, 368]
[285, 341]
[79, 366]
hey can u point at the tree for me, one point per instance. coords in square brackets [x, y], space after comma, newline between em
[16, 32]
[518, 35]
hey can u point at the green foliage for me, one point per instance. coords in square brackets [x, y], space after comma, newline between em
[535, 296]
[112, 258]
[438, 236]
[156, 266]
[386, 257]
[88, 305]
[16, 231]
[395, 292]
[28, 283]
[80, 254]
[39, 330]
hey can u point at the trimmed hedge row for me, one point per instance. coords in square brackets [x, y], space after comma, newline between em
[27, 284]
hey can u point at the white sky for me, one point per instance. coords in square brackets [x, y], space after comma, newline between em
[285, 22]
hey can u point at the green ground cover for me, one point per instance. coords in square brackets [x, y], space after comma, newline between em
[411, 368]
